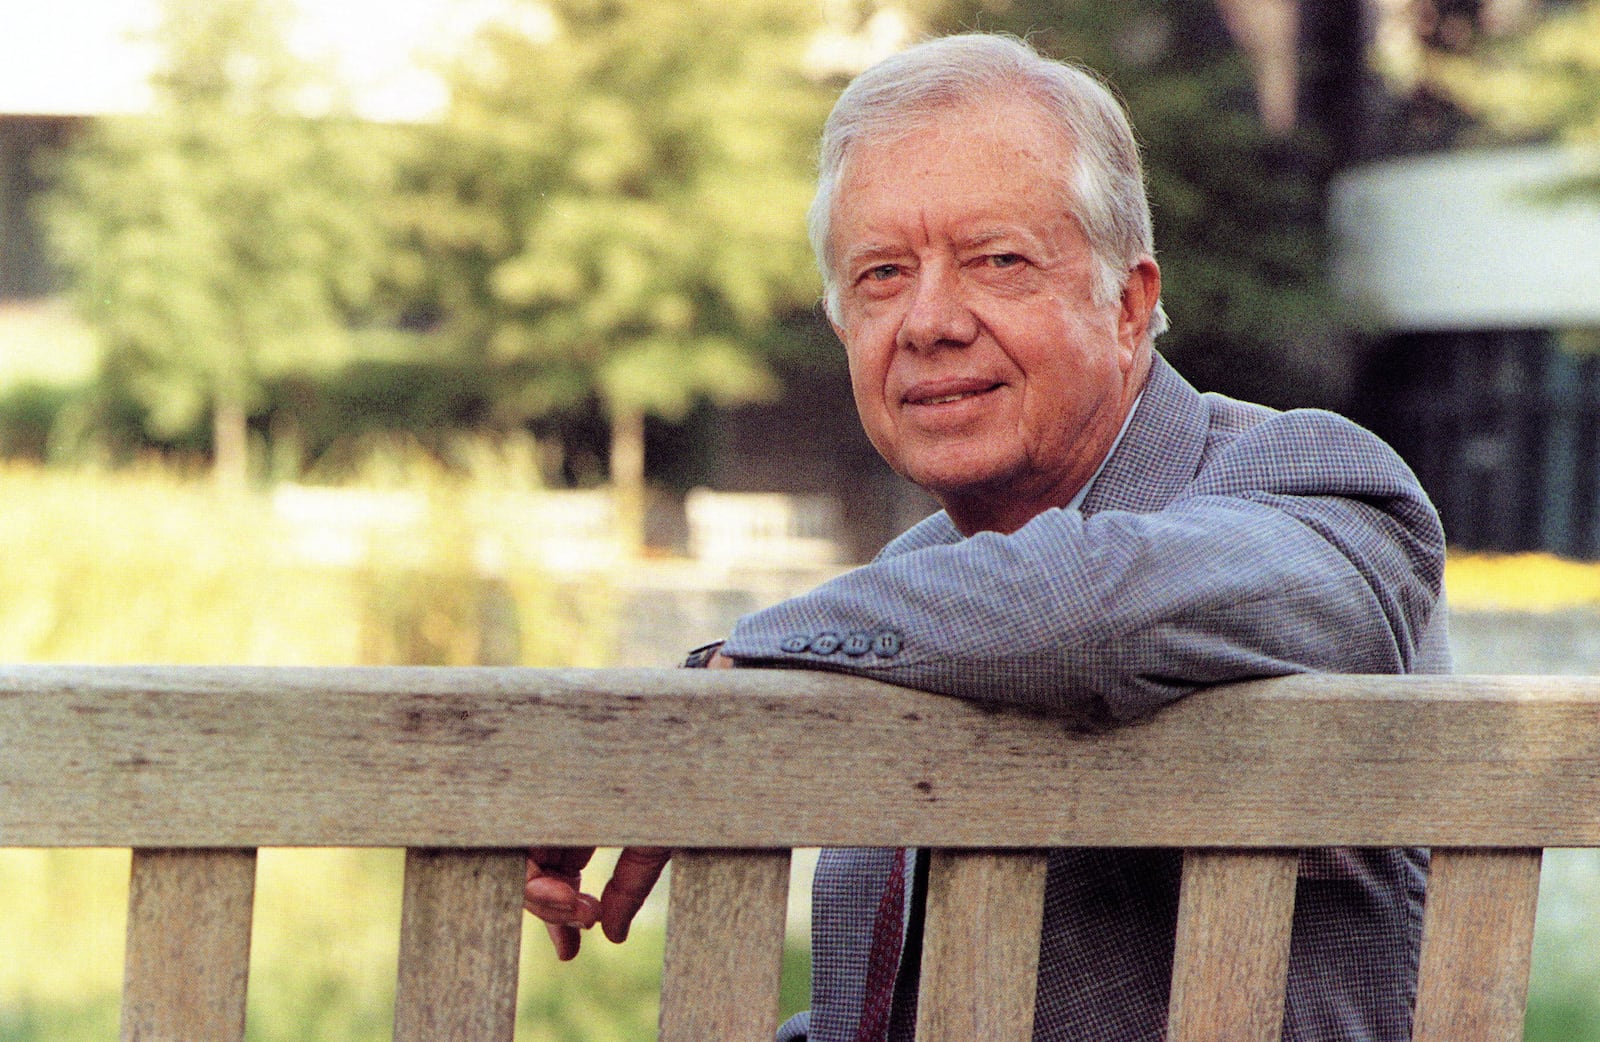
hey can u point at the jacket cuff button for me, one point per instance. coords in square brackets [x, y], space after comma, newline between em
[825, 644]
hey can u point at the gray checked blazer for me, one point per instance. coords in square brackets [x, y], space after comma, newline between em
[1221, 541]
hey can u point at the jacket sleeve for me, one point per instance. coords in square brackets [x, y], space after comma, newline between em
[1304, 544]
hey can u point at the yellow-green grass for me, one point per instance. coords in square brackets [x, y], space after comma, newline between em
[153, 567]
[324, 954]
[157, 566]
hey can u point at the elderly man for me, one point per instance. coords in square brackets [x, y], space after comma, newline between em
[1111, 539]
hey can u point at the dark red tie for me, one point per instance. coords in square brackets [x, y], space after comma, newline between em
[883, 963]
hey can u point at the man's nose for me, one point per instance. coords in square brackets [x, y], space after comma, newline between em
[938, 315]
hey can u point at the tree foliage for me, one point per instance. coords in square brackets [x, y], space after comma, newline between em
[613, 206]
[611, 211]
[226, 238]
[1541, 83]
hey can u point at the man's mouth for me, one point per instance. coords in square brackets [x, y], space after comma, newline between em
[946, 397]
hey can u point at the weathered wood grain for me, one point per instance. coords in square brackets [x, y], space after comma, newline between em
[116, 756]
[724, 954]
[980, 946]
[1477, 944]
[1231, 963]
[460, 937]
[188, 949]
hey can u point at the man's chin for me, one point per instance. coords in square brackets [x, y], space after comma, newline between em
[963, 477]
[977, 501]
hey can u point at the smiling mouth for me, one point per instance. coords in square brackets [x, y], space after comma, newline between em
[955, 396]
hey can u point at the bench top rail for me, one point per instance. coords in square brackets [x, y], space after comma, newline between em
[178, 757]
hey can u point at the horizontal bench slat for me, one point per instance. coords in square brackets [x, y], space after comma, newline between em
[122, 756]
[188, 951]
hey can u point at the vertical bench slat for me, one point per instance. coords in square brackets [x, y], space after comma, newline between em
[188, 954]
[460, 939]
[724, 951]
[1231, 962]
[1477, 945]
[980, 946]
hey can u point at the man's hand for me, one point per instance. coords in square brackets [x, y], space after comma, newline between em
[552, 892]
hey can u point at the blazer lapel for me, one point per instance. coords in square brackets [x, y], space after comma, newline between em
[1161, 451]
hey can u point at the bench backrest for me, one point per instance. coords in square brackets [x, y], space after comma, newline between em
[196, 768]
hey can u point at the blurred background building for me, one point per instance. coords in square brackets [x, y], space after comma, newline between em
[1469, 250]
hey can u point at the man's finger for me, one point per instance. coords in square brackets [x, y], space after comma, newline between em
[556, 901]
[550, 892]
[566, 940]
[551, 886]
[635, 876]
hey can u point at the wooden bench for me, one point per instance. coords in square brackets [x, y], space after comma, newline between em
[196, 768]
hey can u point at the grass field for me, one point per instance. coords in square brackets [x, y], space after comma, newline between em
[323, 954]
[154, 567]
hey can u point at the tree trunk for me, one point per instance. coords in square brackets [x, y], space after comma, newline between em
[230, 443]
[627, 476]
[1269, 32]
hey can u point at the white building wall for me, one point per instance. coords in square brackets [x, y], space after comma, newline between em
[1470, 241]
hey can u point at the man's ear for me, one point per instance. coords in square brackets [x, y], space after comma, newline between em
[1141, 292]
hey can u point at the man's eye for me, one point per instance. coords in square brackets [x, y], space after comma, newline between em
[1004, 260]
[882, 272]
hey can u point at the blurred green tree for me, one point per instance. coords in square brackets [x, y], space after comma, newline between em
[613, 207]
[227, 237]
[1541, 83]
[1239, 209]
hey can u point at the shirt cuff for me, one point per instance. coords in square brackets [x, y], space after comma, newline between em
[701, 656]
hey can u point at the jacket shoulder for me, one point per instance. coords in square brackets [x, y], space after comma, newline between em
[1301, 448]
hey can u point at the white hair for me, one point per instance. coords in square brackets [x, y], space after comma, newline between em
[1103, 187]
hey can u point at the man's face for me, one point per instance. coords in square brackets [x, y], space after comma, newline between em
[982, 366]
